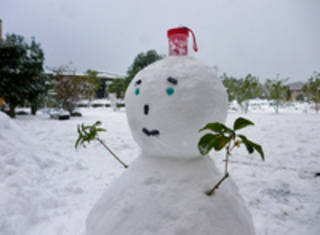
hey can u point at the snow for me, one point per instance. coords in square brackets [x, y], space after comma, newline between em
[48, 187]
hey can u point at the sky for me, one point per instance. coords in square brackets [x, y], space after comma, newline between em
[237, 37]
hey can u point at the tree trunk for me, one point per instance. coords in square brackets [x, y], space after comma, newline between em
[246, 106]
[12, 113]
[33, 109]
[277, 107]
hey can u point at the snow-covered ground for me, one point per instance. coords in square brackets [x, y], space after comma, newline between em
[48, 187]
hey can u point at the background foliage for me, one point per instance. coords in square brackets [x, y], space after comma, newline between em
[21, 72]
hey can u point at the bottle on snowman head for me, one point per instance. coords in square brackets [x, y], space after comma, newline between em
[178, 41]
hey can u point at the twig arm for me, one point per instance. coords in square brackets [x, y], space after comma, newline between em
[210, 192]
[115, 156]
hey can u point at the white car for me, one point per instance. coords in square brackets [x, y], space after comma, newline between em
[59, 114]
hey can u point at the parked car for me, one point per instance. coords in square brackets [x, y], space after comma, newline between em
[59, 114]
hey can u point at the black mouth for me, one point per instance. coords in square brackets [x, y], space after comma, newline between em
[151, 133]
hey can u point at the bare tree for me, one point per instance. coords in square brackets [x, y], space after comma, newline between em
[69, 88]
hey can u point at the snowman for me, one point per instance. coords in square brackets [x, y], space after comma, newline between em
[163, 191]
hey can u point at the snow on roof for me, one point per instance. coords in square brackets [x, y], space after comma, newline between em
[101, 74]
[296, 85]
[110, 75]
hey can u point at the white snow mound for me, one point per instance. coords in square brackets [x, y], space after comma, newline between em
[23, 184]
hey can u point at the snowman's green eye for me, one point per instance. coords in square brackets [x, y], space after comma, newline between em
[170, 91]
[137, 91]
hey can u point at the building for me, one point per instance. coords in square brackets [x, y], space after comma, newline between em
[105, 77]
[296, 90]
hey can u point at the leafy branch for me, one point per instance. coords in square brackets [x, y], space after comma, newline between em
[225, 137]
[90, 133]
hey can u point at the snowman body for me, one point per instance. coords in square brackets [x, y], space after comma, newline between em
[163, 191]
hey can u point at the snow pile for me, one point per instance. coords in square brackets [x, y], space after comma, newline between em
[23, 182]
[76, 178]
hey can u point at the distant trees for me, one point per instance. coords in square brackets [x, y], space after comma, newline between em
[242, 90]
[93, 83]
[312, 90]
[277, 91]
[141, 61]
[21, 72]
[232, 85]
[38, 92]
[118, 86]
[250, 88]
[68, 88]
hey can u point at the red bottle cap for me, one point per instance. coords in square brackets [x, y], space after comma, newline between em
[178, 41]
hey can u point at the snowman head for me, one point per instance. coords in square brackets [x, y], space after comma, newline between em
[169, 101]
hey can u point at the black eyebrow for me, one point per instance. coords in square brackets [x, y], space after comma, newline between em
[172, 80]
[138, 82]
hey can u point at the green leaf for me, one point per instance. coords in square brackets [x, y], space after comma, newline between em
[259, 149]
[206, 143]
[78, 129]
[251, 146]
[98, 123]
[215, 127]
[218, 128]
[87, 133]
[209, 141]
[246, 143]
[221, 142]
[241, 123]
[231, 133]
[77, 142]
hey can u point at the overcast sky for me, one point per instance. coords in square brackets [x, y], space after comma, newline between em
[261, 37]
